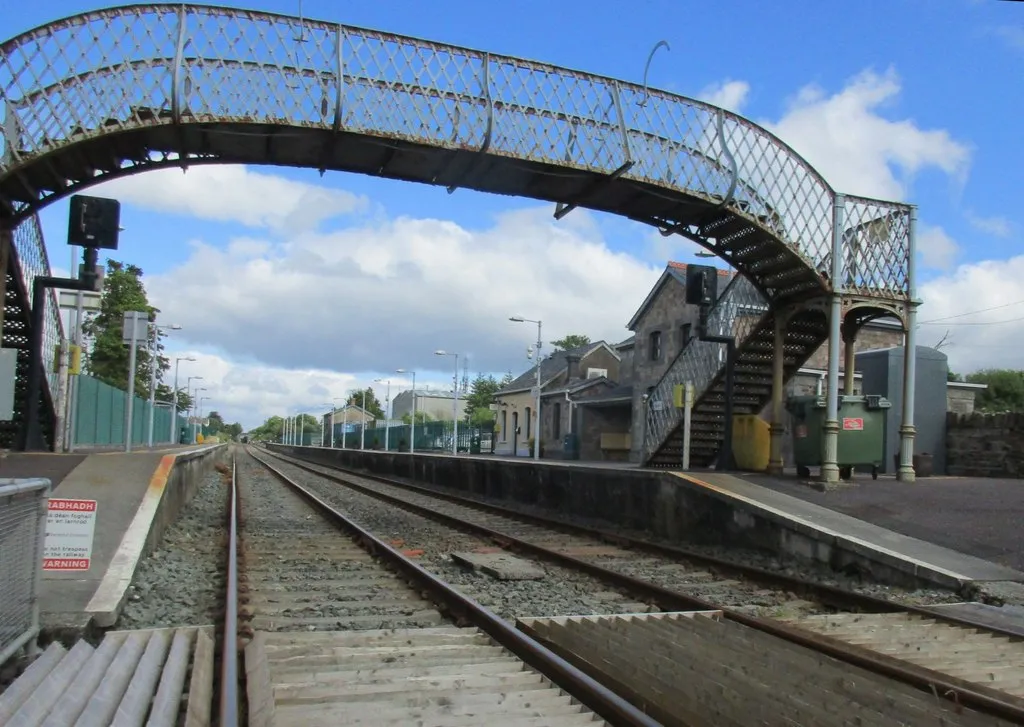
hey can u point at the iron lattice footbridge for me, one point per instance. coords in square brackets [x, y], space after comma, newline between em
[122, 90]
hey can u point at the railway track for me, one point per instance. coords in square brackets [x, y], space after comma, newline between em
[338, 627]
[968, 661]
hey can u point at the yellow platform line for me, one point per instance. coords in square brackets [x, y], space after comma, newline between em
[105, 605]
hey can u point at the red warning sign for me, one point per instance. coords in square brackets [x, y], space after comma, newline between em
[855, 424]
[70, 524]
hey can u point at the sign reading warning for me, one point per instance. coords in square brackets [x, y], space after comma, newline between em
[69, 529]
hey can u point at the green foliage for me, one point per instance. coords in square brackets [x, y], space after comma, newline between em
[507, 379]
[481, 392]
[572, 340]
[481, 416]
[953, 376]
[1005, 390]
[219, 428]
[270, 430]
[108, 358]
[373, 406]
[421, 418]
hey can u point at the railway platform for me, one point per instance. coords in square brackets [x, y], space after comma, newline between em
[131, 508]
[805, 516]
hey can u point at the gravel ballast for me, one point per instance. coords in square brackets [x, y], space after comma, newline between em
[764, 601]
[562, 592]
[180, 582]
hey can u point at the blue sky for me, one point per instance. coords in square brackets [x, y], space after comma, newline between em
[921, 98]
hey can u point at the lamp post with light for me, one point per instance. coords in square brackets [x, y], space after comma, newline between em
[387, 413]
[455, 405]
[412, 427]
[536, 433]
[174, 399]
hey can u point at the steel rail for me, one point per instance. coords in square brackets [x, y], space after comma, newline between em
[588, 690]
[229, 643]
[950, 688]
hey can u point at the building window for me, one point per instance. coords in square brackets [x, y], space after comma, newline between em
[655, 345]
[684, 335]
[556, 420]
[529, 421]
[504, 430]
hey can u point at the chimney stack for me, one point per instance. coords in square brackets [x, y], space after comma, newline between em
[572, 363]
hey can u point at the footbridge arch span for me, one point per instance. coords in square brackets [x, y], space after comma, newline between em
[120, 90]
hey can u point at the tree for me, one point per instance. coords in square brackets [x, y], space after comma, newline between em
[270, 430]
[421, 418]
[1005, 390]
[480, 398]
[108, 358]
[572, 340]
[373, 407]
[506, 380]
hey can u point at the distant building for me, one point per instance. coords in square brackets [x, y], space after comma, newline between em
[437, 405]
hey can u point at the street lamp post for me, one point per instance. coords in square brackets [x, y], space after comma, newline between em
[174, 398]
[455, 404]
[199, 422]
[537, 432]
[387, 413]
[344, 426]
[195, 410]
[152, 376]
[362, 427]
[412, 427]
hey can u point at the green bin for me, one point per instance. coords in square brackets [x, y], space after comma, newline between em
[861, 441]
[474, 444]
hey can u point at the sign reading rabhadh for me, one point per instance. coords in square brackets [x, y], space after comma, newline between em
[69, 529]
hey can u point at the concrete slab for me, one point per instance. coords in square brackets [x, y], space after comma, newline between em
[502, 566]
[128, 488]
[1007, 618]
[857, 537]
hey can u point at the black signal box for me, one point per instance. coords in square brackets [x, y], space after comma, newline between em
[701, 285]
[94, 222]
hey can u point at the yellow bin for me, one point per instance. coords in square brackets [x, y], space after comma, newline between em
[751, 442]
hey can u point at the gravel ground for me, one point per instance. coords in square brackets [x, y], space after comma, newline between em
[179, 583]
[561, 592]
[818, 573]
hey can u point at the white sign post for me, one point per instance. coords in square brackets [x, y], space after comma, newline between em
[69, 530]
[134, 329]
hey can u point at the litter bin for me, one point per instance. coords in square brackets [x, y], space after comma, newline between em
[861, 432]
[570, 446]
[183, 437]
[474, 444]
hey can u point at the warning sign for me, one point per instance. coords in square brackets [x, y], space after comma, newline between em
[69, 529]
[855, 424]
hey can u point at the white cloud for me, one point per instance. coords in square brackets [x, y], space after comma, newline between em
[860, 151]
[936, 248]
[989, 339]
[996, 226]
[730, 95]
[386, 295]
[235, 194]
[251, 392]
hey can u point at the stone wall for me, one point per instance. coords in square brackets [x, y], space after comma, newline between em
[985, 445]
[868, 339]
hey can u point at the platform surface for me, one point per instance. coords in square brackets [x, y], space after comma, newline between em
[978, 516]
[127, 488]
[962, 566]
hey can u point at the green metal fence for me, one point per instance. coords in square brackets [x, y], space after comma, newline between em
[100, 417]
[430, 437]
